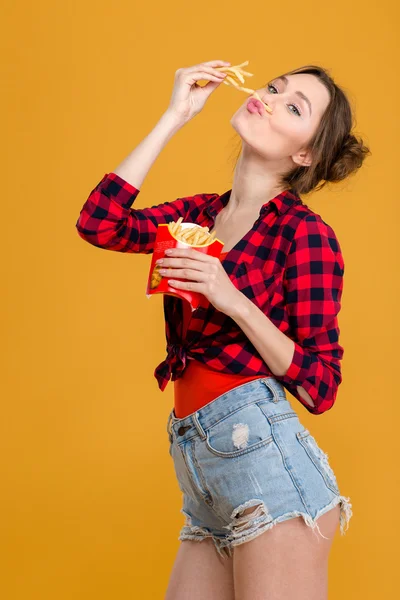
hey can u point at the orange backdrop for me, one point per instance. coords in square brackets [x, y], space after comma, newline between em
[89, 501]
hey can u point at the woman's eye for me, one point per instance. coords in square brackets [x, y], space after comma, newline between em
[298, 112]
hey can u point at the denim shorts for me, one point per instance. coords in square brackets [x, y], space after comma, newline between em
[246, 450]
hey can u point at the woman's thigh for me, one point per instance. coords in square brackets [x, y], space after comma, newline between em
[199, 572]
[287, 561]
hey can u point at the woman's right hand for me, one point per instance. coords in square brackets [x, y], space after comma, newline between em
[188, 98]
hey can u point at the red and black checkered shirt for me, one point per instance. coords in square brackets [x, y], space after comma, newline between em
[289, 264]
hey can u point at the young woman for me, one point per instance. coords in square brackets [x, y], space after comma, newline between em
[258, 491]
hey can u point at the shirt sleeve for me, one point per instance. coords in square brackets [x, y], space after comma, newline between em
[313, 283]
[107, 220]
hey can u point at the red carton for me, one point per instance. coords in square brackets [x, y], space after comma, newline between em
[156, 283]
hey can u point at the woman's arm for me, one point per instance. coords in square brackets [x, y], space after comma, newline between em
[276, 348]
[107, 220]
[310, 363]
[137, 164]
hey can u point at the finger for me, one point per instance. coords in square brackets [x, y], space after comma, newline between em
[180, 264]
[211, 86]
[191, 274]
[190, 253]
[187, 285]
[203, 67]
[207, 74]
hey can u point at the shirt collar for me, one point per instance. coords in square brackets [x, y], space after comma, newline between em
[281, 203]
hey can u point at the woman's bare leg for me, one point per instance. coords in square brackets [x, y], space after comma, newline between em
[199, 572]
[286, 562]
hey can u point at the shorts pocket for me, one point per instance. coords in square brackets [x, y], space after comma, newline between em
[242, 431]
[319, 458]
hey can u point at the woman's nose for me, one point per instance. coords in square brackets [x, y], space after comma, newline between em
[265, 97]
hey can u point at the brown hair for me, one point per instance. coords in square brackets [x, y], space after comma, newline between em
[335, 149]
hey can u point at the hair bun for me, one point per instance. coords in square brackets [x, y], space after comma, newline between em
[352, 154]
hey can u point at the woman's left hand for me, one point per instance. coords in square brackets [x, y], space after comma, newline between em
[206, 274]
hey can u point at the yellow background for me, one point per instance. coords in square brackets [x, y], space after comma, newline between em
[89, 503]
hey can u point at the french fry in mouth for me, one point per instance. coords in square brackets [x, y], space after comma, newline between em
[235, 77]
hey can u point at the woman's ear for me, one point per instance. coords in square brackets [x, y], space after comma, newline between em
[302, 158]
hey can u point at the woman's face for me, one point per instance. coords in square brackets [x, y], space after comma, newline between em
[286, 131]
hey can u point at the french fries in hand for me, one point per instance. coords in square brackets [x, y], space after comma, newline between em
[173, 235]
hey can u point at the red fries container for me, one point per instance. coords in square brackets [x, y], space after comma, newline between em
[156, 283]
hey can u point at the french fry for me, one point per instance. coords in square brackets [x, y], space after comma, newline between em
[231, 80]
[175, 226]
[235, 76]
[238, 75]
[194, 236]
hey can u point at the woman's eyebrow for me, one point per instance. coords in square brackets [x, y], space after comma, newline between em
[286, 81]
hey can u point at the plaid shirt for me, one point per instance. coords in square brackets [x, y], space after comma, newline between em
[289, 264]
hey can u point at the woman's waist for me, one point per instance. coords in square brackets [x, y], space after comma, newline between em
[200, 384]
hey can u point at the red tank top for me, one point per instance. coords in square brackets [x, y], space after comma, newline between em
[199, 384]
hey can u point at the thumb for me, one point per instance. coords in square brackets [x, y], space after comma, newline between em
[211, 86]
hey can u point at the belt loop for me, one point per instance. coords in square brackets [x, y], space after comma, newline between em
[198, 426]
[272, 388]
[168, 423]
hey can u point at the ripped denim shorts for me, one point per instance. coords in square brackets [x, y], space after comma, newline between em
[247, 448]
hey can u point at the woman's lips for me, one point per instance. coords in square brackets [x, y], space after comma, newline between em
[255, 106]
